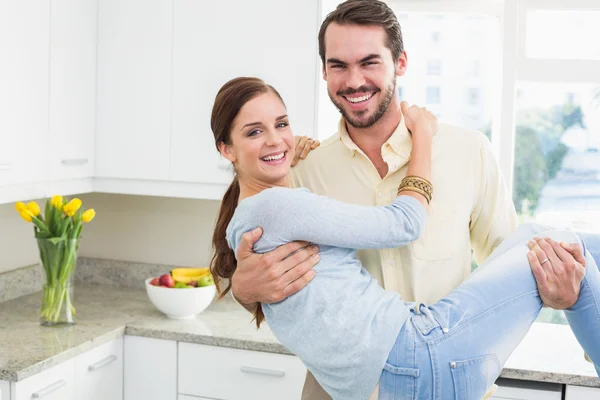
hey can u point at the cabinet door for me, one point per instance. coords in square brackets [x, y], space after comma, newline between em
[150, 369]
[99, 372]
[55, 383]
[582, 393]
[205, 371]
[208, 52]
[134, 88]
[4, 390]
[24, 37]
[72, 88]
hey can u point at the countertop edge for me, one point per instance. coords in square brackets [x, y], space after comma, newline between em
[133, 330]
[16, 376]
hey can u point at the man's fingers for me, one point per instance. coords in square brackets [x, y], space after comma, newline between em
[307, 148]
[564, 255]
[247, 243]
[537, 269]
[575, 250]
[284, 251]
[297, 271]
[298, 284]
[300, 145]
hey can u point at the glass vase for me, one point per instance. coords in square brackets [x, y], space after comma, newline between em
[59, 258]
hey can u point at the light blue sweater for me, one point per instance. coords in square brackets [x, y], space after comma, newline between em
[342, 325]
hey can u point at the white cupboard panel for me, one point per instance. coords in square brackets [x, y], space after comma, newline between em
[134, 88]
[24, 51]
[55, 383]
[150, 371]
[99, 372]
[207, 52]
[72, 88]
[207, 371]
[582, 393]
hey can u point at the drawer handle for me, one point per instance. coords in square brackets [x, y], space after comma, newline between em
[5, 167]
[74, 161]
[49, 389]
[262, 371]
[102, 363]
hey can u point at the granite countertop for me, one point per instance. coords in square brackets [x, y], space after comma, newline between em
[549, 353]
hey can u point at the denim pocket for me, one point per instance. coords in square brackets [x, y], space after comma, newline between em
[398, 383]
[472, 378]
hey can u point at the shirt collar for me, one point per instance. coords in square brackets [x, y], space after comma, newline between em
[400, 142]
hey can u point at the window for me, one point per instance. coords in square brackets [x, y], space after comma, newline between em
[433, 95]
[434, 67]
[472, 96]
[474, 69]
[557, 34]
[535, 67]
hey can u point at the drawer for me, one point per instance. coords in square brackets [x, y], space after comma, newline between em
[99, 372]
[54, 383]
[232, 374]
[582, 393]
[4, 390]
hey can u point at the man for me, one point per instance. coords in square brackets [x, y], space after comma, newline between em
[360, 44]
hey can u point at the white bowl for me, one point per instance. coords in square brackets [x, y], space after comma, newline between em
[183, 303]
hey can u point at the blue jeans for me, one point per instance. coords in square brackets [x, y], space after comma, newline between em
[456, 348]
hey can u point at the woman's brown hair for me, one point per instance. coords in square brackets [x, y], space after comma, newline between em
[229, 101]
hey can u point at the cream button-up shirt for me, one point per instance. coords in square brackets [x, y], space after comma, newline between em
[470, 214]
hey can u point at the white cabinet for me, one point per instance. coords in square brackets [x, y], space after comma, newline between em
[208, 371]
[150, 371]
[55, 383]
[209, 51]
[72, 89]
[581, 393]
[99, 372]
[24, 54]
[4, 390]
[134, 88]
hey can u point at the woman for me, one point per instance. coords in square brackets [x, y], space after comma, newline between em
[347, 330]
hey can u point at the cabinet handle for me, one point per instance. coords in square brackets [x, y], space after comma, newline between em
[5, 167]
[261, 371]
[102, 363]
[48, 389]
[74, 161]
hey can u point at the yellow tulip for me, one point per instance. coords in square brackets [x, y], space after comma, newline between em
[20, 206]
[26, 215]
[71, 207]
[34, 208]
[88, 215]
[57, 202]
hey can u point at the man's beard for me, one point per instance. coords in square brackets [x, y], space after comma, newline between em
[388, 96]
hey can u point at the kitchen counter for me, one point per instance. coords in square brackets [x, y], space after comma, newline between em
[549, 353]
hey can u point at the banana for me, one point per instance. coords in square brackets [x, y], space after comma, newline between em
[187, 275]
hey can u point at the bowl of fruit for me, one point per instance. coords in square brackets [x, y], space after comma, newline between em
[183, 293]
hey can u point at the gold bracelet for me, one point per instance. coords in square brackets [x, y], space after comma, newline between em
[416, 190]
[417, 182]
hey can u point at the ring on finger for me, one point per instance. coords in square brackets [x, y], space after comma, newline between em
[545, 259]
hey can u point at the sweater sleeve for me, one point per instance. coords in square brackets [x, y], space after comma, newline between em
[298, 214]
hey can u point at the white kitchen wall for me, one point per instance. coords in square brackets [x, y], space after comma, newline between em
[145, 229]
[17, 245]
[149, 229]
